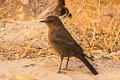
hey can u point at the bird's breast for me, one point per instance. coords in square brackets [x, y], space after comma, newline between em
[51, 38]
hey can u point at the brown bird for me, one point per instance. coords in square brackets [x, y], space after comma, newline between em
[63, 43]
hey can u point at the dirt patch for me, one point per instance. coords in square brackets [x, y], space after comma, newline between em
[45, 68]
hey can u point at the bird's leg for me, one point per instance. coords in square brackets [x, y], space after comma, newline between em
[60, 65]
[67, 62]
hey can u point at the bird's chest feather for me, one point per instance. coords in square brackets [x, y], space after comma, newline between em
[52, 37]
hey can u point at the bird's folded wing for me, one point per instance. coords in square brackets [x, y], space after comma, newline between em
[66, 41]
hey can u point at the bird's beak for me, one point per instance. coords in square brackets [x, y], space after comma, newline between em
[45, 21]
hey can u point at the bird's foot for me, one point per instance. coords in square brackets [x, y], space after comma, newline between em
[61, 72]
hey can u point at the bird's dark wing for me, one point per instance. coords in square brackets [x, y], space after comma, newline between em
[66, 40]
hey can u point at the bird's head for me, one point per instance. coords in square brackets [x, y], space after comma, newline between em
[52, 22]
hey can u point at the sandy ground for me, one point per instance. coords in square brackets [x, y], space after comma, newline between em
[45, 68]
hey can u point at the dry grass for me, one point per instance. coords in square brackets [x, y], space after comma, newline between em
[98, 25]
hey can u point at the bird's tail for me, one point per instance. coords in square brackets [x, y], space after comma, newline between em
[85, 61]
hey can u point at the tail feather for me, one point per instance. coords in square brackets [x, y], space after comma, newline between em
[85, 61]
